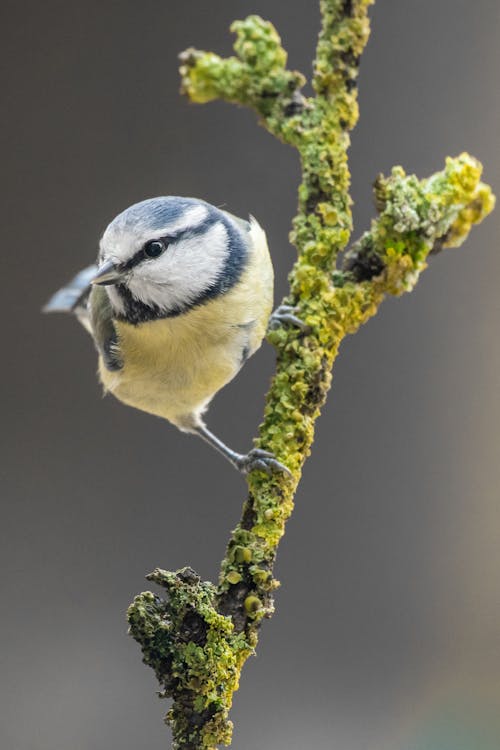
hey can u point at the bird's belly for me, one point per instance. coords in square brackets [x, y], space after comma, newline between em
[171, 371]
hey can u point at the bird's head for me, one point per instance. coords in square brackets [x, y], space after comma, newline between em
[163, 256]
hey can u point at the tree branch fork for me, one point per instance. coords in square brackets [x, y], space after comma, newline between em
[198, 635]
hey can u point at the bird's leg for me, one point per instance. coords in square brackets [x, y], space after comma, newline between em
[255, 459]
[285, 314]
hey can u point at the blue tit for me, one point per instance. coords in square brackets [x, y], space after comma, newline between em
[180, 298]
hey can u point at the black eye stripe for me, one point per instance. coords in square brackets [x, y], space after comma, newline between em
[141, 255]
[168, 239]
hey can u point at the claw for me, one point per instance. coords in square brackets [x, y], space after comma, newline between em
[260, 460]
[285, 314]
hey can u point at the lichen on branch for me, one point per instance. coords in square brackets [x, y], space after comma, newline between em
[198, 637]
[417, 218]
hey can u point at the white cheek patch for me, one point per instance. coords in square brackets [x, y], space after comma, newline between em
[116, 301]
[187, 269]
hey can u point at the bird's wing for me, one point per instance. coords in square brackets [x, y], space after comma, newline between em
[103, 328]
[91, 306]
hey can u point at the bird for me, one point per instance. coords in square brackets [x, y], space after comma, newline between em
[180, 297]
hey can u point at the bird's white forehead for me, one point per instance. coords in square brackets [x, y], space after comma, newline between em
[129, 231]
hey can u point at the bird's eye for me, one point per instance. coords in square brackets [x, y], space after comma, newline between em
[154, 248]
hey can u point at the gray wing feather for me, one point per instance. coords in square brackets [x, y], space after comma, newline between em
[91, 306]
[103, 329]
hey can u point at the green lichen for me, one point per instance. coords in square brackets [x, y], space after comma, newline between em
[198, 639]
[418, 217]
[195, 653]
[256, 77]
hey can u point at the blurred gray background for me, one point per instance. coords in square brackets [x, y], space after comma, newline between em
[387, 630]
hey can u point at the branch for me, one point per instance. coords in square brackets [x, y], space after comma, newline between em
[198, 638]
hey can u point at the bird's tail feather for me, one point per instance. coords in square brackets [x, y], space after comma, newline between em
[72, 298]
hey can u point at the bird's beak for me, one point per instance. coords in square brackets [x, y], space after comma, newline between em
[107, 273]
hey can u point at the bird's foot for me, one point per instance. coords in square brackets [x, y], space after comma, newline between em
[259, 460]
[284, 314]
[255, 460]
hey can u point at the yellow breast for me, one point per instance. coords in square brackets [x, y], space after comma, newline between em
[174, 366]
